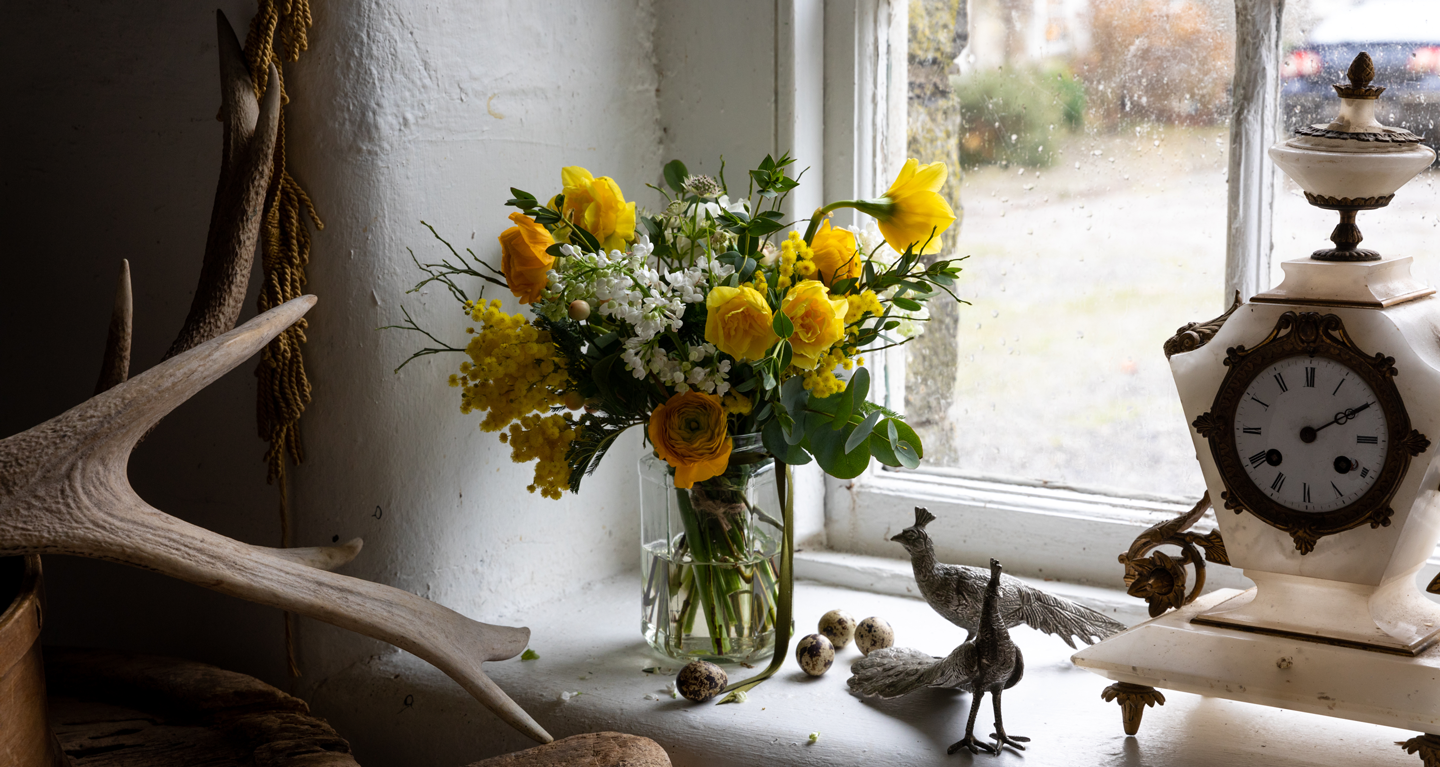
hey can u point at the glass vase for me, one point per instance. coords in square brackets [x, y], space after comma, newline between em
[710, 558]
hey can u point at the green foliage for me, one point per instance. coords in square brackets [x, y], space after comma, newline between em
[1016, 115]
[841, 432]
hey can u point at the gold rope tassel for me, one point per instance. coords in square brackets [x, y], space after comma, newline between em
[284, 391]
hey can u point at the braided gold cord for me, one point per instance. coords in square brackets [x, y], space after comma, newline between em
[283, 390]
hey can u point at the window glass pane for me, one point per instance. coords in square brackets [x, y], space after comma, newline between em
[1093, 137]
[1321, 38]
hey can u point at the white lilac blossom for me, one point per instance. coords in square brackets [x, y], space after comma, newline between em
[624, 287]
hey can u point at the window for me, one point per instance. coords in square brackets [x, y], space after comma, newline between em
[1115, 186]
[1092, 146]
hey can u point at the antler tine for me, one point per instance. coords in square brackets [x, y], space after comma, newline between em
[115, 367]
[64, 490]
[246, 164]
[113, 421]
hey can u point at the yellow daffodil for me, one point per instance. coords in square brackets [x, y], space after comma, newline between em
[738, 321]
[597, 206]
[818, 319]
[690, 434]
[911, 213]
[523, 259]
[836, 254]
[914, 208]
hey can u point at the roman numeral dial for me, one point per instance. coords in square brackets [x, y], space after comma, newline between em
[1310, 433]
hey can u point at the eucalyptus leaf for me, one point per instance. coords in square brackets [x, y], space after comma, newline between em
[862, 432]
[784, 354]
[782, 325]
[891, 449]
[796, 433]
[860, 382]
[828, 446]
[793, 394]
[773, 437]
[675, 174]
[764, 412]
[844, 408]
[906, 304]
[746, 268]
[907, 455]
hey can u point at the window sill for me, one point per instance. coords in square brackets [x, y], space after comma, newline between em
[590, 643]
[1043, 531]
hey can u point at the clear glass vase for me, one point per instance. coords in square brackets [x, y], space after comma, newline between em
[710, 569]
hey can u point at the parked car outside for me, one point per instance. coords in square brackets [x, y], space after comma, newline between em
[1403, 38]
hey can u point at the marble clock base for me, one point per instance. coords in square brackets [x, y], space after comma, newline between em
[1173, 653]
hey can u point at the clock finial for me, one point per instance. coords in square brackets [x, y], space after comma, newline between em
[1361, 72]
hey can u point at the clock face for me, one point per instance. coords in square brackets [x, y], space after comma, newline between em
[1311, 433]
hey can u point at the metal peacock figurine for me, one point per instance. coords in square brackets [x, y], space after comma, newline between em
[987, 662]
[957, 593]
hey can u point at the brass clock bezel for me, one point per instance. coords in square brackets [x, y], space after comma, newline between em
[1309, 333]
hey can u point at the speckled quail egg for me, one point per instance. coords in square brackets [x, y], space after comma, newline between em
[815, 654]
[873, 634]
[701, 680]
[839, 627]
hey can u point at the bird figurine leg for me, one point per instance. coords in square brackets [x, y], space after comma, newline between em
[969, 741]
[1001, 739]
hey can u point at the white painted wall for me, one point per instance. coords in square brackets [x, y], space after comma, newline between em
[403, 112]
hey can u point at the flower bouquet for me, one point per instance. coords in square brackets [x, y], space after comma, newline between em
[732, 338]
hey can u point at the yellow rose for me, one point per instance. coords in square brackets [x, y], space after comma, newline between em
[819, 321]
[688, 431]
[737, 321]
[597, 206]
[523, 258]
[836, 254]
[912, 208]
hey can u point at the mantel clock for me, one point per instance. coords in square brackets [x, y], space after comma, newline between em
[1309, 406]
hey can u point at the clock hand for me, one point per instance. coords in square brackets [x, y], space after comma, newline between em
[1347, 415]
[1308, 434]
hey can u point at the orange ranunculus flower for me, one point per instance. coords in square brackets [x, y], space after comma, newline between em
[523, 258]
[819, 321]
[689, 432]
[912, 208]
[836, 254]
[597, 206]
[738, 321]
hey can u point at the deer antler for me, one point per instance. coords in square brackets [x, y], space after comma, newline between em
[246, 163]
[64, 490]
[115, 368]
